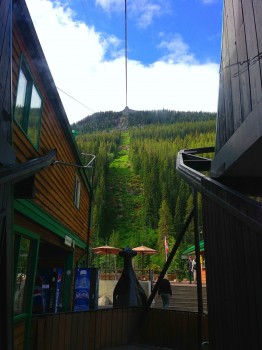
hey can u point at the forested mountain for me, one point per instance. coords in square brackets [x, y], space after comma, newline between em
[105, 121]
[139, 196]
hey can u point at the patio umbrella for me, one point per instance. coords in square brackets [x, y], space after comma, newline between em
[106, 250]
[143, 250]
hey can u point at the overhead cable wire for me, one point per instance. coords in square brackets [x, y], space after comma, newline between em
[245, 64]
[126, 48]
[86, 18]
[90, 109]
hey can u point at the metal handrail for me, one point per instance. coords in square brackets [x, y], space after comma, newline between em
[88, 165]
[202, 183]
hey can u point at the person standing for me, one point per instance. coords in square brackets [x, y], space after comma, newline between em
[165, 291]
[194, 268]
[190, 269]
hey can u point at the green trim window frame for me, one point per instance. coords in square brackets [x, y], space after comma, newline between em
[28, 105]
[23, 247]
[77, 192]
[26, 245]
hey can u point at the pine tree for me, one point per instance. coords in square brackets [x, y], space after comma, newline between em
[165, 226]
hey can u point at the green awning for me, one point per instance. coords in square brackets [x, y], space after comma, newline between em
[191, 249]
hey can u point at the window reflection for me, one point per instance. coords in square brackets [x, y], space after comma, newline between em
[21, 276]
[20, 99]
[34, 117]
[77, 192]
[28, 106]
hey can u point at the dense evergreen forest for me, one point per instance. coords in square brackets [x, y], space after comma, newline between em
[139, 198]
[103, 121]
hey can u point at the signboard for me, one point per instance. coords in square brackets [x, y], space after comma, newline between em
[86, 289]
[51, 288]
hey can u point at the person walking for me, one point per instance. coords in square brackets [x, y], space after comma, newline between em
[190, 269]
[165, 291]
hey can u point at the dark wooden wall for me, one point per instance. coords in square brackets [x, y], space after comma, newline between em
[106, 328]
[233, 245]
[240, 71]
[240, 91]
[6, 157]
[54, 185]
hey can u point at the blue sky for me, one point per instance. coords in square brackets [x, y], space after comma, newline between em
[173, 53]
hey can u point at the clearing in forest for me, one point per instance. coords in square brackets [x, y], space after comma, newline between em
[124, 197]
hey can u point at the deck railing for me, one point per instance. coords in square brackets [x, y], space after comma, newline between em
[232, 231]
[105, 328]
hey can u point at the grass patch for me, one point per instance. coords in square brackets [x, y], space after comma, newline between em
[125, 197]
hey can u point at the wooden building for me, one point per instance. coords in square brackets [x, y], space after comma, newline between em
[239, 125]
[7, 158]
[49, 224]
[232, 210]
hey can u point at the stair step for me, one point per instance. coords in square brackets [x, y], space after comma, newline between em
[184, 298]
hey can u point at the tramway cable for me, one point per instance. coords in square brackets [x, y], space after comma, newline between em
[126, 47]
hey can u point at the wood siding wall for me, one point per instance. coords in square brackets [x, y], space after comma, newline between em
[6, 193]
[55, 185]
[5, 73]
[105, 328]
[233, 246]
[239, 123]
[19, 334]
[240, 71]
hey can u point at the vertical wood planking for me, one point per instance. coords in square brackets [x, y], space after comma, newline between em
[240, 87]
[257, 6]
[55, 334]
[68, 328]
[252, 52]
[19, 331]
[104, 334]
[40, 333]
[98, 316]
[48, 332]
[242, 57]
[91, 330]
[227, 76]
[221, 114]
[84, 330]
[233, 271]
[234, 68]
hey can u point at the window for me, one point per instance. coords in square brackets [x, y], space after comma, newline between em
[28, 107]
[25, 258]
[21, 275]
[77, 192]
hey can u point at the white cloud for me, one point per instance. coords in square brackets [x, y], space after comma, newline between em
[75, 54]
[177, 50]
[173, 86]
[143, 10]
[209, 2]
[111, 5]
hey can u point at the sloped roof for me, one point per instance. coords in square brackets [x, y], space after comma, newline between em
[191, 249]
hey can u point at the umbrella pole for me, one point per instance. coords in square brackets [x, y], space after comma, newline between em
[109, 268]
[106, 268]
[142, 265]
